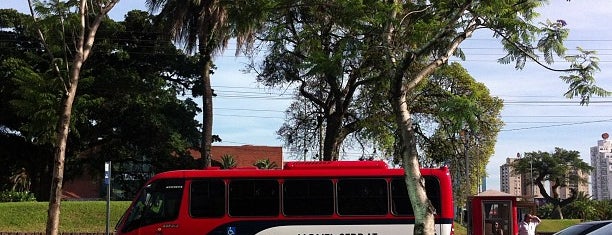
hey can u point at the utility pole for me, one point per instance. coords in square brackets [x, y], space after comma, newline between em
[464, 134]
[531, 177]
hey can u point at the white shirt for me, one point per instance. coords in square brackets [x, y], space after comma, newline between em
[528, 228]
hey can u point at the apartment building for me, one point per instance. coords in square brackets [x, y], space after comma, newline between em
[601, 176]
[517, 184]
[510, 183]
[520, 184]
[582, 186]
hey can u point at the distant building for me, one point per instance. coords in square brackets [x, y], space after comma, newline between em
[245, 155]
[581, 187]
[90, 187]
[510, 183]
[601, 161]
[520, 185]
[517, 184]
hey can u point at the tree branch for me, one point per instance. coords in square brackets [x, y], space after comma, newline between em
[48, 49]
[529, 55]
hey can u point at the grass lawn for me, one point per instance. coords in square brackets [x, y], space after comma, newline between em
[76, 216]
[547, 226]
[555, 225]
[90, 216]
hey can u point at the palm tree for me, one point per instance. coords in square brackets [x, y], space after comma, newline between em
[208, 25]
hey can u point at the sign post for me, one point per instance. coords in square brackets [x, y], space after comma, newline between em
[107, 175]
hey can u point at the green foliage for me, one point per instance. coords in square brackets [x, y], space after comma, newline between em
[21, 181]
[326, 49]
[17, 196]
[464, 119]
[228, 161]
[208, 26]
[586, 209]
[265, 164]
[36, 99]
[561, 168]
[582, 80]
[545, 211]
[127, 109]
[579, 75]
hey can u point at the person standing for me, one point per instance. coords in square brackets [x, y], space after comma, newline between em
[498, 229]
[529, 224]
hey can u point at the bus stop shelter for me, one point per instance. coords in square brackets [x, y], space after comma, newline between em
[491, 206]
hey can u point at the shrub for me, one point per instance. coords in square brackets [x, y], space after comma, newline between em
[15, 196]
[265, 164]
[228, 162]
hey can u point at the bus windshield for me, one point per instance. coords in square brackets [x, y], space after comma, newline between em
[158, 202]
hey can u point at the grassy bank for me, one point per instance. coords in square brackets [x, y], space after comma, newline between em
[90, 216]
[547, 226]
[76, 216]
[555, 225]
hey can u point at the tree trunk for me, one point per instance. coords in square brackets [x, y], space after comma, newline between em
[332, 141]
[63, 129]
[84, 43]
[556, 212]
[55, 196]
[555, 200]
[424, 223]
[207, 109]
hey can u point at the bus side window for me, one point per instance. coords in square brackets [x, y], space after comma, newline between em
[432, 188]
[400, 201]
[253, 198]
[158, 202]
[362, 197]
[207, 198]
[308, 197]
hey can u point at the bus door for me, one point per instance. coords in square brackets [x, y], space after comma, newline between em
[157, 209]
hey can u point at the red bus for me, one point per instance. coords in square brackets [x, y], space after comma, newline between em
[304, 198]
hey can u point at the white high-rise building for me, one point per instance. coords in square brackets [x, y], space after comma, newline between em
[601, 161]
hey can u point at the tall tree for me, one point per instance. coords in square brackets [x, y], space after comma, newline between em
[90, 16]
[422, 35]
[321, 49]
[208, 25]
[29, 122]
[399, 45]
[562, 168]
[464, 119]
[127, 110]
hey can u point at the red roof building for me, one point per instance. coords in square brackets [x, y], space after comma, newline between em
[88, 187]
[245, 155]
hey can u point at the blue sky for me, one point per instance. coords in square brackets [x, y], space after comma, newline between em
[537, 116]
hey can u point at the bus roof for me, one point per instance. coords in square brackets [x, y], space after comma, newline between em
[338, 165]
[305, 169]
